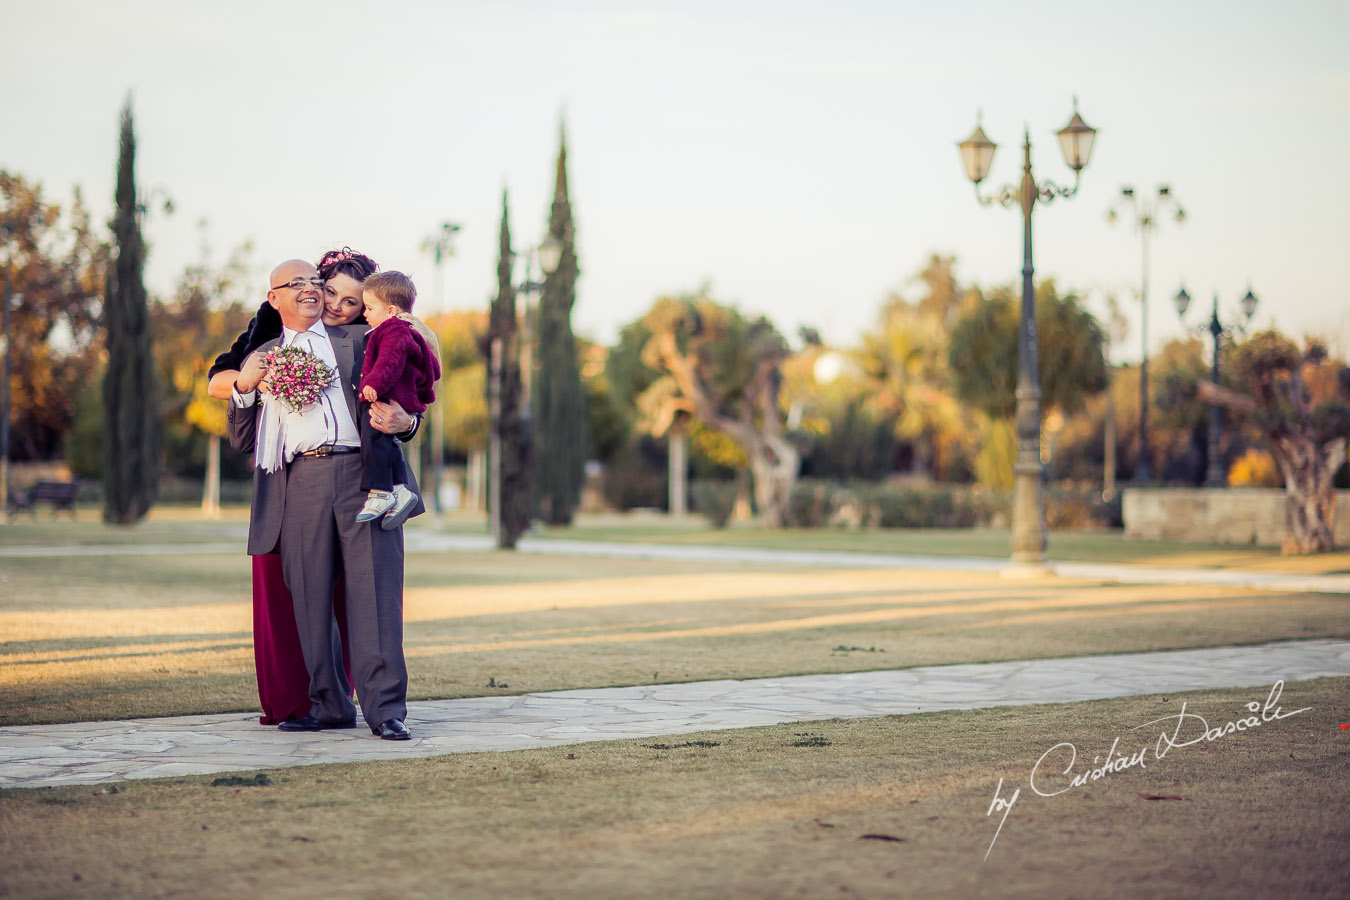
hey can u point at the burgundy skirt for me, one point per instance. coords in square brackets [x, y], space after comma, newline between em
[283, 681]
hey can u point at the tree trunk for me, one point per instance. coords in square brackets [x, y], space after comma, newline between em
[211, 486]
[475, 479]
[774, 465]
[679, 486]
[1310, 497]
[771, 492]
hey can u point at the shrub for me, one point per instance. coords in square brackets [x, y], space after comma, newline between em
[928, 506]
[1255, 468]
[714, 499]
[633, 481]
[1073, 505]
[816, 504]
[811, 505]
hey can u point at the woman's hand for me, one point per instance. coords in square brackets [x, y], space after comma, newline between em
[390, 417]
[252, 375]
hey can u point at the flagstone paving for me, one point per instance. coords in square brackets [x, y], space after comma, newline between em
[94, 752]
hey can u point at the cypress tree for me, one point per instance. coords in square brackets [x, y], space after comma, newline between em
[131, 425]
[513, 425]
[561, 441]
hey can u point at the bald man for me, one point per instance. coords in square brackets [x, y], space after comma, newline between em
[306, 509]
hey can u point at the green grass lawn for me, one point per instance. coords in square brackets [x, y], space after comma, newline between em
[89, 637]
[168, 524]
[887, 807]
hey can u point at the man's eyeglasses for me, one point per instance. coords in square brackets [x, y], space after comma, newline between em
[299, 284]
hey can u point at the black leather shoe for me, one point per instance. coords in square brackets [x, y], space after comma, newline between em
[309, 723]
[306, 723]
[392, 730]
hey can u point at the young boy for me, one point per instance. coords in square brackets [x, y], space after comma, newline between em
[398, 366]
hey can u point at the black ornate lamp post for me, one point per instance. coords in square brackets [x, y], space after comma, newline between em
[1215, 475]
[1146, 211]
[977, 152]
[549, 254]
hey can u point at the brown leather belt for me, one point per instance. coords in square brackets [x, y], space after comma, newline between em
[327, 450]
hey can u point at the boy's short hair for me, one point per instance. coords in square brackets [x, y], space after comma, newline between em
[394, 288]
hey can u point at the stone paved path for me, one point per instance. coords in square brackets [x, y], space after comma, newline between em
[92, 752]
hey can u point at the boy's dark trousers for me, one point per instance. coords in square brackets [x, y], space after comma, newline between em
[382, 464]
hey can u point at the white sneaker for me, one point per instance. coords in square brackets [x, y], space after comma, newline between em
[377, 504]
[404, 501]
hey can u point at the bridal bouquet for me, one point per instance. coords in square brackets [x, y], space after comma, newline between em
[297, 376]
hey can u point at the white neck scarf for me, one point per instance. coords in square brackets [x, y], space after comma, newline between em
[276, 420]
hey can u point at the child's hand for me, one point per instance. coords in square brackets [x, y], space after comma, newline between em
[368, 393]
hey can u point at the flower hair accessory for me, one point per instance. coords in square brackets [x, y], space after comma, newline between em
[336, 256]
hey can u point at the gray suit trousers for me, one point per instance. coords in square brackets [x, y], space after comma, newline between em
[319, 533]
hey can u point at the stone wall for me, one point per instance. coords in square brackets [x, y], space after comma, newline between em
[1216, 516]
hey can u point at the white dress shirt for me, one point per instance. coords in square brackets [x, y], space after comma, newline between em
[329, 421]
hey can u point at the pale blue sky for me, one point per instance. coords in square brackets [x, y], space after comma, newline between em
[799, 157]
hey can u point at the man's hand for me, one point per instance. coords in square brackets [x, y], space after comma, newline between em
[390, 417]
[252, 373]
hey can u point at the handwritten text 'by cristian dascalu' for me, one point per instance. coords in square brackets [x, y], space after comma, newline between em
[1054, 773]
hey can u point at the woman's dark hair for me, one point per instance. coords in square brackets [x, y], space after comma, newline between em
[346, 262]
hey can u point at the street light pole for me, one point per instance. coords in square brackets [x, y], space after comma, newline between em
[1215, 473]
[440, 246]
[528, 289]
[1215, 476]
[977, 151]
[1146, 220]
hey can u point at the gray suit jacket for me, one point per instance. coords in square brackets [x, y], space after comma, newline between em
[269, 489]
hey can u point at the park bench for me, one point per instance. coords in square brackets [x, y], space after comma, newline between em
[60, 495]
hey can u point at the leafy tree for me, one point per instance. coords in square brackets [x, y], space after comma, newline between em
[906, 378]
[725, 371]
[908, 383]
[982, 355]
[625, 372]
[513, 422]
[844, 434]
[983, 352]
[1178, 426]
[610, 422]
[131, 420]
[561, 440]
[208, 308]
[854, 444]
[467, 421]
[57, 268]
[461, 336]
[1300, 402]
[942, 298]
[464, 385]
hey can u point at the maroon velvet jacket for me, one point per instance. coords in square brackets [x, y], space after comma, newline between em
[400, 366]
